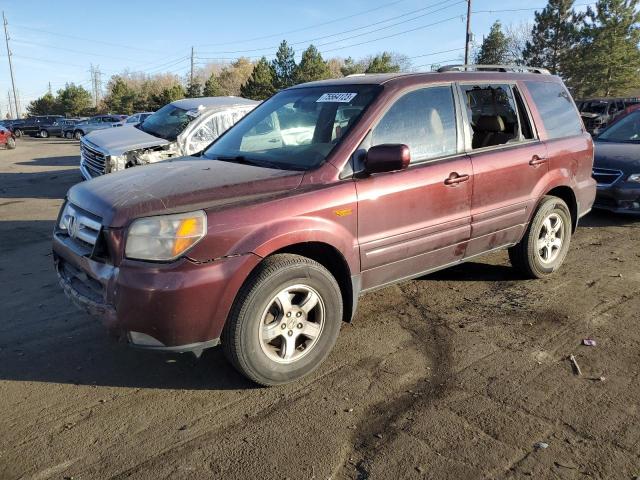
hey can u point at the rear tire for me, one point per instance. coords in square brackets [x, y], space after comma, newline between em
[44, 134]
[17, 132]
[78, 134]
[546, 242]
[285, 320]
[11, 143]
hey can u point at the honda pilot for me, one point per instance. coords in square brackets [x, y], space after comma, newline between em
[264, 242]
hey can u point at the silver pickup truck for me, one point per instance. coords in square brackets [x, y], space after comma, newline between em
[181, 128]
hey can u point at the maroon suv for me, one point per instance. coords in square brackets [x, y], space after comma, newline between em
[265, 240]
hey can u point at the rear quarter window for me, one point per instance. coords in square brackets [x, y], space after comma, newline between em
[556, 108]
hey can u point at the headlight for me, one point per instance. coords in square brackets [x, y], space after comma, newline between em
[634, 177]
[165, 237]
[117, 162]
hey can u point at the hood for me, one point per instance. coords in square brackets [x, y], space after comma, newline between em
[118, 140]
[618, 156]
[178, 186]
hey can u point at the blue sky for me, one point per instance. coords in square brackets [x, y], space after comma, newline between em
[57, 41]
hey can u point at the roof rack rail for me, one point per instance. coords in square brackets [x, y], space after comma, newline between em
[494, 68]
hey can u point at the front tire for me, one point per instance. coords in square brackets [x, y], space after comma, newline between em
[546, 242]
[44, 134]
[11, 143]
[17, 132]
[78, 134]
[285, 320]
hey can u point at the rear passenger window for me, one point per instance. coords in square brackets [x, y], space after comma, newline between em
[424, 120]
[497, 115]
[556, 108]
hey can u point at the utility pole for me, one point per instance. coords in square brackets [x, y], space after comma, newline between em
[467, 46]
[10, 106]
[13, 82]
[96, 83]
[191, 80]
[50, 88]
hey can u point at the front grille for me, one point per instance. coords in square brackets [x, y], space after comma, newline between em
[606, 176]
[92, 159]
[80, 228]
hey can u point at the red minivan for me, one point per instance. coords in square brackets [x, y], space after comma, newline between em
[264, 241]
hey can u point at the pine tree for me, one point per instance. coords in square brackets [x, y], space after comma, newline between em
[284, 66]
[494, 48]
[45, 105]
[382, 63]
[212, 87]
[608, 57]
[260, 84]
[554, 34]
[312, 66]
[194, 89]
[351, 67]
[121, 97]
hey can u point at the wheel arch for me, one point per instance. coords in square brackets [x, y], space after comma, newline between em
[333, 260]
[566, 193]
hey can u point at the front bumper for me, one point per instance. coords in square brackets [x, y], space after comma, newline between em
[621, 197]
[178, 307]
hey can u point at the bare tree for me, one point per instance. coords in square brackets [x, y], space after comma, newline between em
[517, 37]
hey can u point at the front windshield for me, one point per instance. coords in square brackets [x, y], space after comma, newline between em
[168, 122]
[626, 130]
[594, 108]
[295, 129]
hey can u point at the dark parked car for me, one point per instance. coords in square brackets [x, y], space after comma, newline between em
[32, 126]
[599, 112]
[327, 190]
[57, 128]
[92, 124]
[617, 166]
[7, 138]
[15, 126]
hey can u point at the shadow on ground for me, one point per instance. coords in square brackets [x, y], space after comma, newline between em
[66, 161]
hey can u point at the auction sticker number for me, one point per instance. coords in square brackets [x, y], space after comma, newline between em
[337, 97]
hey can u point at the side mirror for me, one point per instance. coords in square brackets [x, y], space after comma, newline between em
[387, 158]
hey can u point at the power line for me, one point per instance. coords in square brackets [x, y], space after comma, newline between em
[274, 35]
[505, 10]
[24, 27]
[457, 17]
[310, 40]
[430, 54]
[81, 52]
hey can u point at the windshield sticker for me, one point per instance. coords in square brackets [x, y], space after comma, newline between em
[337, 97]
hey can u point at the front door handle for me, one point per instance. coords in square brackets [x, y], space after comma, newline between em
[454, 179]
[536, 161]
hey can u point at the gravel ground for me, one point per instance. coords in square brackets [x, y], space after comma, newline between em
[456, 375]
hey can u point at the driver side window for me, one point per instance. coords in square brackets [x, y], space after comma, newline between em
[424, 120]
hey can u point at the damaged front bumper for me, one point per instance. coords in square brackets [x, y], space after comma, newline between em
[176, 307]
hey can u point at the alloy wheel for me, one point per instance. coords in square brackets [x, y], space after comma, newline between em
[550, 238]
[292, 324]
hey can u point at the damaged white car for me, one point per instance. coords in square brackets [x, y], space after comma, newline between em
[181, 128]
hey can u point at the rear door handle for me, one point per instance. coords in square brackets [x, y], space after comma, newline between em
[454, 179]
[537, 161]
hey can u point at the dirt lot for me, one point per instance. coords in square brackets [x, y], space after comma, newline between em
[456, 375]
